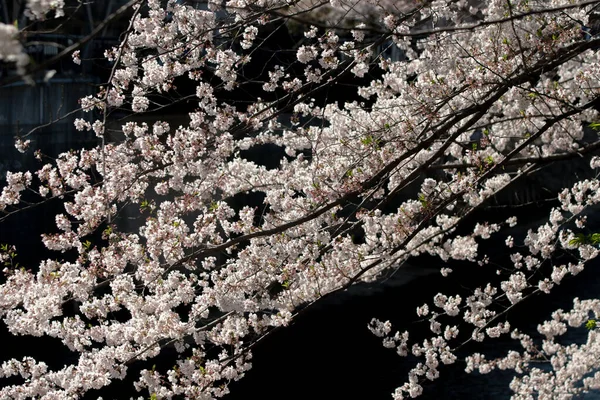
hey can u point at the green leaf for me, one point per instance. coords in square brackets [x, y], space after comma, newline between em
[595, 126]
[107, 231]
[594, 238]
[579, 239]
[423, 200]
[590, 324]
[370, 140]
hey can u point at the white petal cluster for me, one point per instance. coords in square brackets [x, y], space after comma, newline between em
[11, 50]
[176, 224]
[38, 9]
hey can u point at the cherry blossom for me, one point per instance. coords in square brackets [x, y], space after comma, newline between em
[480, 97]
